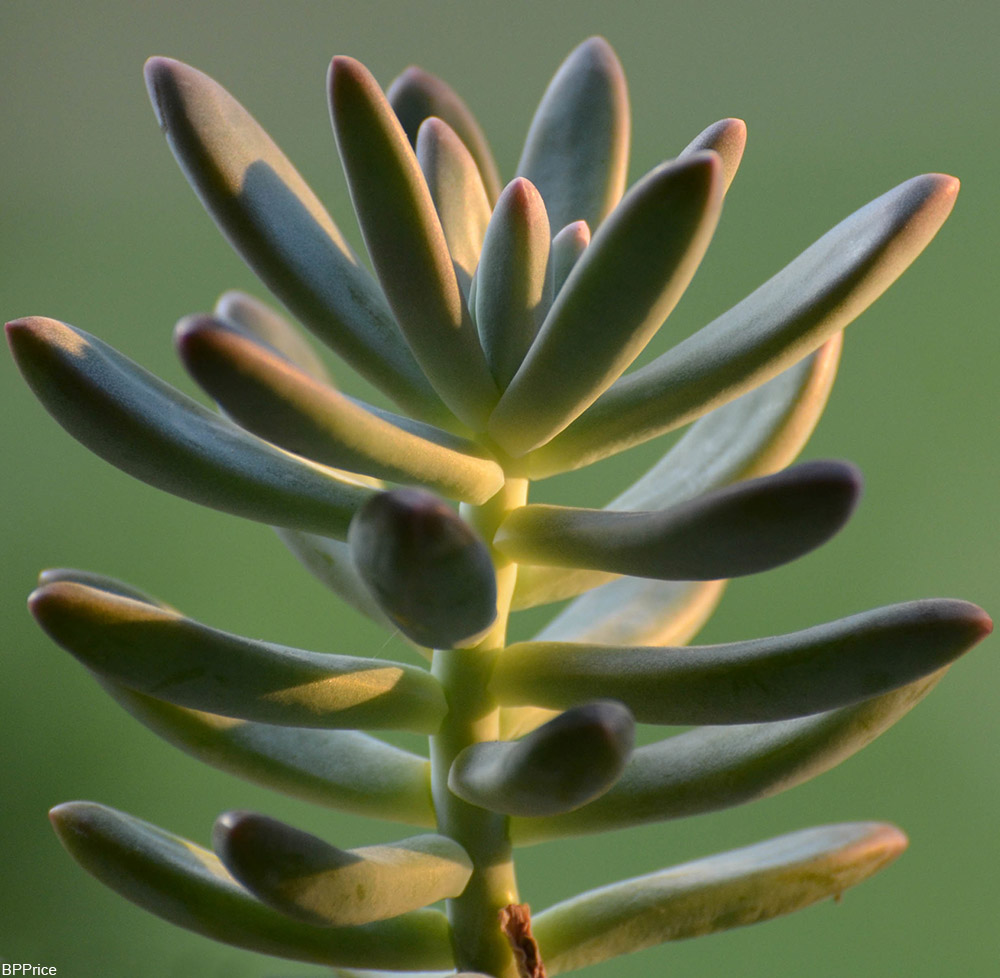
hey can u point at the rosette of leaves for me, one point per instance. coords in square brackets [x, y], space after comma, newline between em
[502, 323]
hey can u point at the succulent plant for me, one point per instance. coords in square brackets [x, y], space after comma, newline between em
[502, 323]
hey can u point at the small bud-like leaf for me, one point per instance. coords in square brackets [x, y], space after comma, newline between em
[407, 246]
[513, 285]
[742, 529]
[576, 151]
[416, 95]
[308, 879]
[163, 654]
[276, 401]
[766, 679]
[158, 435]
[426, 567]
[729, 890]
[819, 293]
[562, 765]
[281, 230]
[727, 137]
[458, 194]
[625, 284]
[567, 247]
[188, 886]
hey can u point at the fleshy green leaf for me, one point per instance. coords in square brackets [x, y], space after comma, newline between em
[308, 879]
[261, 322]
[158, 435]
[163, 654]
[576, 152]
[789, 316]
[562, 765]
[741, 529]
[100, 582]
[636, 611]
[756, 681]
[458, 194]
[426, 568]
[406, 243]
[567, 247]
[620, 291]
[711, 768]
[513, 284]
[757, 434]
[417, 95]
[732, 889]
[188, 886]
[339, 769]
[728, 138]
[282, 231]
[276, 401]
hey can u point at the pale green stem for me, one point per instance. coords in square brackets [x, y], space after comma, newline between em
[474, 717]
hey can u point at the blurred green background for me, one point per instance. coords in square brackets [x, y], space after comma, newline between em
[843, 101]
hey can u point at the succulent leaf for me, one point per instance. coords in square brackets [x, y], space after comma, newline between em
[742, 529]
[576, 151]
[625, 284]
[458, 194]
[820, 292]
[567, 247]
[426, 568]
[188, 886]
[809, 671]
[728, 890]
[276, 401]
[757, 434]
[728, 138]
[562, 765]
[339, 769]
[162, 437]
[711, 768]
[165, 655]
[416, 95]
[100, 582]
[513, 284]
[406, 243]
[306, 878]
[281, 230]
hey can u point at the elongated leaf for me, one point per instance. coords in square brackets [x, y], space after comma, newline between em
[458, 194]
[728, 138]
[100, 582]
[513, 284]
[282, 231]
[778, 678]
[820, 292]
[711, 768]
[562, 765]
[624, 285]
[339, 769]
[742, 529]
[330, 562]
[188, 886]
[757, 434]
[576, 151]
[276, 401]
[416, 95]
[406, 244]
[261, 322]
[426, 568]
[163, 654]
[732, 889]
[636, 611]
[159, 435]
[308, 879]
[567, 247]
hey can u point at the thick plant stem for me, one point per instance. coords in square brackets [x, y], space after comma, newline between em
[474, 717]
